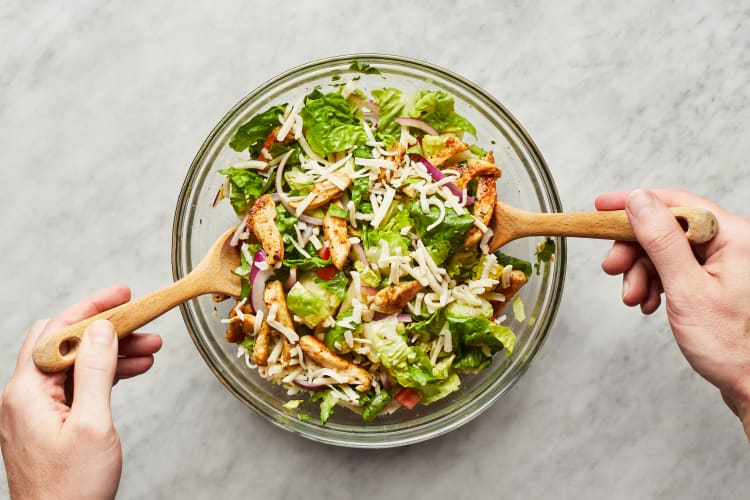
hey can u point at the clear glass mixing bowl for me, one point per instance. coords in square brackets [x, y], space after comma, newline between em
[526, 183]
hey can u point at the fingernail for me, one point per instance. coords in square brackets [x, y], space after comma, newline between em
[640, 203]
[101, 332]
[625, 287]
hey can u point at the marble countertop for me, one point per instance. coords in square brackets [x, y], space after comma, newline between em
[103, 106]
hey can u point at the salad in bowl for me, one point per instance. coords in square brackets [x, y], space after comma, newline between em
[364, 223]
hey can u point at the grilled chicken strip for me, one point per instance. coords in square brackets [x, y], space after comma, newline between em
[476, 167]
[274, 294]
[326, 191]
[386, 173]
[484, 206]
[453, 146]
[317, 351]
[238, 329]
[334, 230]
[392, 299]
[262, 222]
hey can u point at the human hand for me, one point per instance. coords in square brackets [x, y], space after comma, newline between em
[707, 288]
[57, 447]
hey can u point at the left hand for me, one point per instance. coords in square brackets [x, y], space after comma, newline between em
[61, 445]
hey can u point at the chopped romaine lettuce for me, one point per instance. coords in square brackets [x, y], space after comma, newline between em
[336, 285]
[545, 252]
[252, 134]
[471, 359]
[304, 304]
[245, 186]
[462, 263]
[360, 187]
[336, 211]
[447, 237]
[372, 404]
[328, 400]
[431, 144]
[437, 109]
[391, 105]
[433, 392]
[478, 331]
[363, 67]
[330, 124]
[519, 264]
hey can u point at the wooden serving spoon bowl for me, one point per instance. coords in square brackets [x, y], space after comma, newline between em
[55, 352]
[510, 223]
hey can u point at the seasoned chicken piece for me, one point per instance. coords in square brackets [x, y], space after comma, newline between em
[334, 229]
[392, 299]
[271, 140]
[238, 329]
[274, 294]
[476, 167]
[484, 206]
[318, 352]
[386, 173]
[517, 280]
[262, 222]
[326, 191]
[453, 146]
[262, 342]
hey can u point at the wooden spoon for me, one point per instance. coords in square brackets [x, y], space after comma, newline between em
[55, 352]
[510, 223]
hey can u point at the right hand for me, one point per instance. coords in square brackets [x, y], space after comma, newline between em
[707, 288]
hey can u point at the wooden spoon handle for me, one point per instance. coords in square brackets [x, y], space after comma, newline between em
[127, 317]
[700, 224]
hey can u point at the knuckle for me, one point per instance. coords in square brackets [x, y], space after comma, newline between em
[660, 243]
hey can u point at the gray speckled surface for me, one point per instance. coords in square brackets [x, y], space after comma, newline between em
[102, 107]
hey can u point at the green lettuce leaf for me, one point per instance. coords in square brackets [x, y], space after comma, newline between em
[301, 300]
[462, 263]
[336, 211]
[519, 264]
[433, 392]
[545, 251]
[372, 404]
[304, 304]
[336, 285]
[245, 187]
[391, 104]
[437, 109]
[360, 187]
[478, 331]
[334, 338]
[445, 239]
[252, 134]
[471, 359]
[330, 124]
[363, 67]
[328, 401]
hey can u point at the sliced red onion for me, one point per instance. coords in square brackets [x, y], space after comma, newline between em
[303, 384]
[385, 381]
[368, 290]
[361, 255]
[365, 103]
[311, 220]
[258, 278]
[292, 279]
[370, 117]
[421, 125]
[403, 318]
[237, 232]
[378, 316]
[219, 196]
[436, 174]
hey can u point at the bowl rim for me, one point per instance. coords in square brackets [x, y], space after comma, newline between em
[410, 435]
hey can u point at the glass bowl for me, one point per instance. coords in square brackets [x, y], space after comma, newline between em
[526, 183]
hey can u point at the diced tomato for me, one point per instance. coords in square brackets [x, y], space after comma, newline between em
[408, 398]
[327, 273]
[324, 253]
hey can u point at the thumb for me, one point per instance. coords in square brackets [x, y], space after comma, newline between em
[661, 236]
[94, 373]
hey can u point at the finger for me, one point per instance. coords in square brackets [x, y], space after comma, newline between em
[616, 200]
[653, 300]
[95, 303]
[728, 401]
[24, 354]
[131, 367]
[636, 283]
[139, 344]
[621, 257]
[94, 374]
[664, 241]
